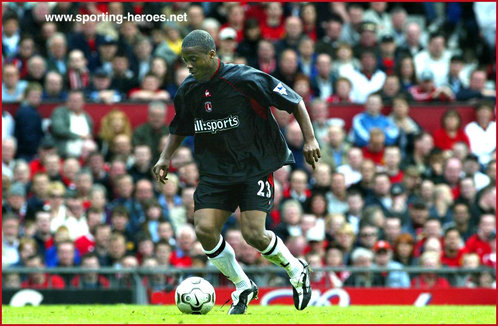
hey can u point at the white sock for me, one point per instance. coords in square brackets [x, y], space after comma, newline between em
[278, 253]
[223, 257]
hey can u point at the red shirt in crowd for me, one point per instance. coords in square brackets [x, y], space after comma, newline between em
[477, 245]
[376, 157]
[419, 283]
[443, 141]
[180, 261]
[452, 261]
[85, 244]
[51, 282]
[398, 178]
[272, 33]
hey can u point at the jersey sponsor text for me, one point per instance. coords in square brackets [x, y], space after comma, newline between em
[213, 126]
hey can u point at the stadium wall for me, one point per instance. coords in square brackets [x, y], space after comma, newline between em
[428, 116]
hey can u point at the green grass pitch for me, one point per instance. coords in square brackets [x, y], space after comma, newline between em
[133, 314]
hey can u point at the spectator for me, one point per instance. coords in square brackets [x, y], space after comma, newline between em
[368, 38]
[272, 28]
[90, 280]
[330, 41]
[37, 69]
[392, 229]
[287, 68]
[453, 249]
[336, 197]
[78, 76]
[322, 83]
[71, 125]
[351, 170]
[367, 170]
[344, 61]
[298, 189]
[428, 280]
[248, 47]
[345, 239]
[333, 258]
[477, 88]
[124, 189]
[10, 240]
[427, 191]
[266, 60]
[40, 280]
[375, 147]
[9, 148]
[398, 25]
[443, 200]
[426, 91]
[392, 160]
[29, 132]
[53, 88]
[15, 202]
[350, 30]
[367, 236]
[307, 57]
[114, 123]
[383, 259]
[367, 80]
[377, 14]
[39, 190]
[354, 214]
[391, 89]
[334, 151]
[227, 44]
[293, 33]
[362, 257]
[117, 252]
[418, 214]
[381, 196]
[450, 131]
[453, 80]
[479, 242]
[122, 77]
[291, 217]
[185, 238]
[371, 118]
[57, 54]
[8, 125]
[408, 128]
[405, 70]
[342, 91]
[471, 169]
[435, 59]
[482, 133]
[150, 132]
[403, 249]
[100, 90]
[106, 50]
[12, 87]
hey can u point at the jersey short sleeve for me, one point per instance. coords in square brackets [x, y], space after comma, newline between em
[183, 122]
[268, 90]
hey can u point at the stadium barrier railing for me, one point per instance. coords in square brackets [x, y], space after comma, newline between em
[139, 295]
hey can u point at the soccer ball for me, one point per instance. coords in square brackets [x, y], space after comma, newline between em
[195, 295]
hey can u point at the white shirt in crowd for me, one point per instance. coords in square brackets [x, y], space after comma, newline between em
[79, 126]
[440, 68]
[362, 86]
[482, 142]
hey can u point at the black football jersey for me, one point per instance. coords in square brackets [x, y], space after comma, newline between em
[235, 133]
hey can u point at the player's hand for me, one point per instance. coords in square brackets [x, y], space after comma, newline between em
[311, 152]
[160, 170]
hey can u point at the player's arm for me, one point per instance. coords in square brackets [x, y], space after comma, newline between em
[160, 170]
[311, 150]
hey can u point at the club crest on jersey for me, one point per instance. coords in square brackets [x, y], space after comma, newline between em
[280, 89]
[208, 106]
[207, 93]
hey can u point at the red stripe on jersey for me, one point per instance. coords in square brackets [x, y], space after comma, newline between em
[258, 109]
[219, 64]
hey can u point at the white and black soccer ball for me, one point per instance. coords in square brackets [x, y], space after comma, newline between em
[195, 295]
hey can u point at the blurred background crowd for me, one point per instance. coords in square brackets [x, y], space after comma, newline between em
[386, 193]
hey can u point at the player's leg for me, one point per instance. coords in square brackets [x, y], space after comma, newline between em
[208, 225]
[255, 205]
[213, 205]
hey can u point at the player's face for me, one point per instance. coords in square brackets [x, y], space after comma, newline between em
[198, 62]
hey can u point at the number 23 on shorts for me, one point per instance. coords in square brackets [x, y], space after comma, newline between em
[265, 187]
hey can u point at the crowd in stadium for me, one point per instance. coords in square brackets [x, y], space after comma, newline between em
[386, 193]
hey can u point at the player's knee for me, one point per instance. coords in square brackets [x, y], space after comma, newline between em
[204, 233]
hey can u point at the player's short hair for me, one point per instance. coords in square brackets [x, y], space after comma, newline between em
[201, 39]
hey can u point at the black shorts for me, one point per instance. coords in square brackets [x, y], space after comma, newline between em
[254, 194]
